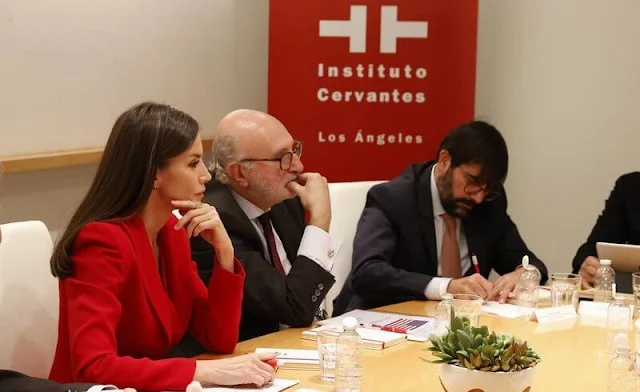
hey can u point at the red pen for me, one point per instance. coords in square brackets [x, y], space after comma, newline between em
[474, 260]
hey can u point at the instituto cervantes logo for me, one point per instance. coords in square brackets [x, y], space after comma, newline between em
[371, 86]
[390, 31]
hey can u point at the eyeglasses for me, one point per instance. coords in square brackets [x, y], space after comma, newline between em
[285, 160]
[475, 186]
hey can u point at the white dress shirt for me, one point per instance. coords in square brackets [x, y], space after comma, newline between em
[438, 283]
[316, 244]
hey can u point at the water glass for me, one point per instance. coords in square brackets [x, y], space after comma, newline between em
[467, 305]
[327, 355]
[636, 291]
[565, 289]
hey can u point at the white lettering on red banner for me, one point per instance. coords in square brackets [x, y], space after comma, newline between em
[374, 86]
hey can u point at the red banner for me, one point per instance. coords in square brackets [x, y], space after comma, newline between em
[370, 87]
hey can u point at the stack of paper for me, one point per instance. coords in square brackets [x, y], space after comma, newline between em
[289, 358]
[415, 327]
[373, 339]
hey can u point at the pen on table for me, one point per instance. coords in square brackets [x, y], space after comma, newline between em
[474, 259]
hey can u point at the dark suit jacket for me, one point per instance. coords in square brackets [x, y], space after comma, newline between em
[119, 322]
[270, 298]
[618, 223]
[11, 381]
[394, 250]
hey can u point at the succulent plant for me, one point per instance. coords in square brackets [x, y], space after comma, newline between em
[476, 348]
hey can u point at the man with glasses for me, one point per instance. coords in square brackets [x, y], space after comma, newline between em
[419, 232]
[262, 197]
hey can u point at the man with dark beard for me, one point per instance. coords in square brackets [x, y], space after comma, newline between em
[262, 196]
[418, 232]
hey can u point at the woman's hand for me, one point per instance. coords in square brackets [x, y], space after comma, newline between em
[249, 369]
[203, 220]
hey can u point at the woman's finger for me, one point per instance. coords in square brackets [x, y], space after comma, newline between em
[209, 224]
[195, 222]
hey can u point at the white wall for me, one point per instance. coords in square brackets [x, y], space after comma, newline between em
[52, 195]
[561, 80]
[49, 196]
[70, 67]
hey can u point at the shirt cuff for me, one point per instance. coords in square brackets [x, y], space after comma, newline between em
[319, 246]
[436, 286]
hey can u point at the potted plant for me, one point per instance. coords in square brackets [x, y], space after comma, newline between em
[472, 359]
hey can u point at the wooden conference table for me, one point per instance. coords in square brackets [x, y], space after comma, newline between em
[573, 357]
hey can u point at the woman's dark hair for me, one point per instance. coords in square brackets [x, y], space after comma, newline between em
[143, 140]
[480, 143]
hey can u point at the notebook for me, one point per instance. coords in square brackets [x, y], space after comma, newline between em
[416, 328]
[373, 339]
[295, 359]
[276, 385]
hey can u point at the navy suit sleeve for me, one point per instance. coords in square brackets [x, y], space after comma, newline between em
[373, 275]
[612, 226]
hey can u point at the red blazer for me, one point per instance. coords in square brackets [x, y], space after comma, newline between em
[117, 320]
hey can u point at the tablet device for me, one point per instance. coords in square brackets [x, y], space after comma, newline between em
[624, 257]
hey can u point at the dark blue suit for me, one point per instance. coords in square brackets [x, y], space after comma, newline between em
[394, 250]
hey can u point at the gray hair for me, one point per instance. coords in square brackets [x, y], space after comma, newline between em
[225, 150]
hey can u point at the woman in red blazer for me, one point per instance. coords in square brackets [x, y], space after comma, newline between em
[128, 289]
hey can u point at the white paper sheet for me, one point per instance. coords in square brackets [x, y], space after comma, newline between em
[506, 310]
[276, 385]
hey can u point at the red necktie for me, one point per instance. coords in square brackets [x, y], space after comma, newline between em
[265, 222]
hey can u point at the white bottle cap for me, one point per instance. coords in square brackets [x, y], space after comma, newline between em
[605, 262]
[194, 386]
[350, 322]
[525, 261]
[621, 340]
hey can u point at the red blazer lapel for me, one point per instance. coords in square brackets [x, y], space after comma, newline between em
[156, 296]
[177, 263]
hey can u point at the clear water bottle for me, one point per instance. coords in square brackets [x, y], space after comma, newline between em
[605, 278]
[527, 292]
[443, 314]
[349, 348]
[622, 371]
[619, 318]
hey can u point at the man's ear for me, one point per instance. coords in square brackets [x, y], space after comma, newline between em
[236, 173]
[444, 160]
